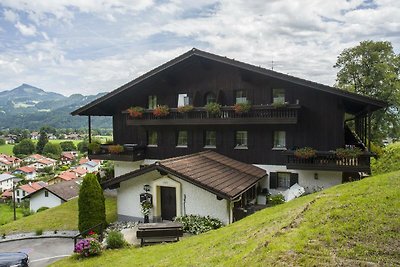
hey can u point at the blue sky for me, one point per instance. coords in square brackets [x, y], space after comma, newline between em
[91, 46]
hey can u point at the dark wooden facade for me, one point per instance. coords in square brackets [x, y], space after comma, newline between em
[314, 118]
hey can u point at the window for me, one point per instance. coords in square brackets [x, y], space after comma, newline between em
[241, 96]
[241, 139]
[278, 95]
[283, 179]
[152, 101]
[23, 193]
[17, 193]
[152, 138]
[211, 139]
[280, 139]
[182, 139]
[210, 98]
[46, 193]
[183, 100]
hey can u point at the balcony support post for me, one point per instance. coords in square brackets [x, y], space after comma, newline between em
[90, 128]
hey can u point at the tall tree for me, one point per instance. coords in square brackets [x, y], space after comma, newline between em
[373, 69]
[24, 148]
[43, 140]
[91, 203]
[52, 150]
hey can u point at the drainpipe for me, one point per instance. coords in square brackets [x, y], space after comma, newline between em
[232, 204]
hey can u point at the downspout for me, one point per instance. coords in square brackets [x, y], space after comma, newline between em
[231, 205]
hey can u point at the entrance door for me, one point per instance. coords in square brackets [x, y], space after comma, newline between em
[168, 203]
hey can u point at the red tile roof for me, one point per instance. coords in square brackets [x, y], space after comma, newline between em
[68, 155]
[209, 170]
[80, 171]
[27, 169]
[67, 175]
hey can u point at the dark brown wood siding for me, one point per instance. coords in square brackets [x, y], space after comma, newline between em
[320, 121]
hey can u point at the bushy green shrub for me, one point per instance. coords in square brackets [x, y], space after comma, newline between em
[115, 239]
[39, 231]
[196, 224]
[42, 209]
[26, 212]
[274, 200]
[91, 203]
[389, 160]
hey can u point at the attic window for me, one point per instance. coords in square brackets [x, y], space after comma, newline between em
[183, 100]
[46, 193]
[278, 95]
[241, 97]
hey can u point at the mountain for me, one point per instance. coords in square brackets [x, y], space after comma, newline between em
[30, 107]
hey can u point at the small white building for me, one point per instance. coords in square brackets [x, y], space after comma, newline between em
[205, 184]
[91, 166]
[53, 195]
[26, 189]
[28, 172]
[7, 181]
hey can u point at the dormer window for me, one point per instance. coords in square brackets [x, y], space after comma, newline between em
[152, 102]
[241, 97]
[210, 98]
[278, 96]
[183, 100]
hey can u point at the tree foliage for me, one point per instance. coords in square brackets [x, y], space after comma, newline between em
[52, 150]
[2, 141]
[91, 203]
[43, 140]
[68, 146]
[25, 147]
[83, 146]
[373, 69]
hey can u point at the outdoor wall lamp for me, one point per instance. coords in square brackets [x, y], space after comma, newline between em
[146, 188]
[316, 176]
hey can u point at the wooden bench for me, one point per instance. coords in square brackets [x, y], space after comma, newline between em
[159, 232]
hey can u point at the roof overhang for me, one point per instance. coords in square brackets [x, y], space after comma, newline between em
[95, 109]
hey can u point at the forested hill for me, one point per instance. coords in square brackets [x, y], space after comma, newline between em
[30, 107]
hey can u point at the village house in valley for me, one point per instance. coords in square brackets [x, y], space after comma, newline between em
[205, 135]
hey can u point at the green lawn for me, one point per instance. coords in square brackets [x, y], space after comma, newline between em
[6, 149]
[7, 213]
[63, 217]
[354, 224]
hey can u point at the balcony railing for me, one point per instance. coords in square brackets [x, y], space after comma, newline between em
[131, 152]
[328, 161]
[260, 114]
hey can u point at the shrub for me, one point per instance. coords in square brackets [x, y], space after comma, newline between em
[274, 200]
[305, 153]
[115, 239]
[213, 108]
[115, 149]
[42, 209]
[347, 153]
[88, 247]
[161, 111]
[94, 147]
[389, 161]
[241, 108]
[135, 112]
[196, 224]
[185, 108]
[39, 231]
[91, 203]
[26, 212]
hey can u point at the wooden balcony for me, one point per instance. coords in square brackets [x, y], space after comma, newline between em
[130, 153]
[328, 161]
[261, 114]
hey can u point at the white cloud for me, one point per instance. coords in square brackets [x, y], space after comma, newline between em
[27, 30]
[10, 15]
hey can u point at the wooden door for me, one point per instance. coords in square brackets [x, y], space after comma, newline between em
[168, 203]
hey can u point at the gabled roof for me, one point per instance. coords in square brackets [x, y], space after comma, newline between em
[6, 176]
[64, 190]
[67, 175]
[26, 169]
[218, 174]
[32, 187]
[93, 109]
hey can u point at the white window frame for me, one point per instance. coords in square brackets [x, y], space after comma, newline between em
[241, 136]
[149, 137]
[278, 95]
[181, 138]
[283, 179]
[242, 99]
[152, 101]
[278, 143]
[206, 139]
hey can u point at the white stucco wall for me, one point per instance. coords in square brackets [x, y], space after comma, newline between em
[122, 167]
[39, 200]
[197, 201]
[306, 177]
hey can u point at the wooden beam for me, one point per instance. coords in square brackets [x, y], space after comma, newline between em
[90, 128]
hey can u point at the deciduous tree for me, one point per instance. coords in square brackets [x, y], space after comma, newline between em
[373, 69]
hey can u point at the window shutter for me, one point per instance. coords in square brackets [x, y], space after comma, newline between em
[273, 180]
[294, 178]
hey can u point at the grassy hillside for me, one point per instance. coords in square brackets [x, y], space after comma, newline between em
[7, 149]
[63, 217]
[350, 224]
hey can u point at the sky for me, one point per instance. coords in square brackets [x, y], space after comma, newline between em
[92, 46]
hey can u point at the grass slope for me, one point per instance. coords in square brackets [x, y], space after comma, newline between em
[7, 149]
[350, 224]
[7, 213]
[63, 217]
